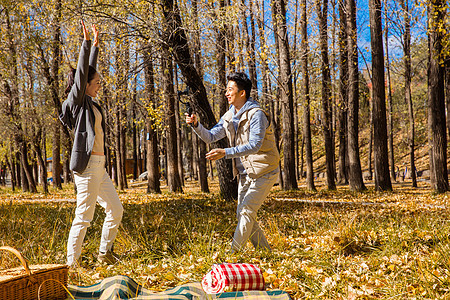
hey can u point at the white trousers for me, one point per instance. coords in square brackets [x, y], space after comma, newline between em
[94, 185]
[252, 193]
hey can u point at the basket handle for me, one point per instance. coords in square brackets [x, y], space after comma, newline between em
[19, 256]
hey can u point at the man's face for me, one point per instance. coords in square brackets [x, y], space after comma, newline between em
[234, 96]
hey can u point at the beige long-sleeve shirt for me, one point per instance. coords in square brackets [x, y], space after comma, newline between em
[99, 140]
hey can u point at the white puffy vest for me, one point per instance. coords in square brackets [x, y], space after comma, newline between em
[260, 163]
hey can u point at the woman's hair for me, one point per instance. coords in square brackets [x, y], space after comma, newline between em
[71, 78]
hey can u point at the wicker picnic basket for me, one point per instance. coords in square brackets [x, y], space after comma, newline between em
[44, 282]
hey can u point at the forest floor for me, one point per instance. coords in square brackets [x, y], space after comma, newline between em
[326, 244]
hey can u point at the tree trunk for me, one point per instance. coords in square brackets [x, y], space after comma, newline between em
[21, 177]
[201, 151]
[221, 63]
[249, 41]
[134, 131]
[153, 174]
[56, 156]
[389, 100]
[252, 67]
[123, 115]
[306, 104]
[119, 140]
[122, 61]
[173, 175]
[354, 162]
[35, 168]
[203, 167]
[195, 141]
[275, 103]
[179, 134]
[264, 54]
[297, 134]
[275, 113]
[144, 141]
[67, 148]
[370, 146]
[436, 98]
[381, 163]
[408, 98]
[42, 165]
[240, 47]
[28, 182]
[343, 95]
[322, 11]
[334, 94]
[286, 97]
[230, 46]
[56, 45]
[122, 149]
[118, 156]
[302, 159]
[188, 148]
[12, 167]
[447, 93]
[177, 42]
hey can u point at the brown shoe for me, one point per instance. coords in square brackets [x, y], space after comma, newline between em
[109, 258]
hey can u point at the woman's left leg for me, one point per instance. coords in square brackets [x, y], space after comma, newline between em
[110, 201]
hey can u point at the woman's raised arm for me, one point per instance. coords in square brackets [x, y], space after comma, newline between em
[95, 33]
[77, 92]
[94, 51]
[85, 31]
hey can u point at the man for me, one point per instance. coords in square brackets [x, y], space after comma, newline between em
[254, 153]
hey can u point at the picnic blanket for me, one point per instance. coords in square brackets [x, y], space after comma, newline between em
[228, 277]
[123, 287]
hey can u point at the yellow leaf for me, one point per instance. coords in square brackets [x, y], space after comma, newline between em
[276, 283]
[169, 276]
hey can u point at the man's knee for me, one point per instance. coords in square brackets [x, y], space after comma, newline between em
[247, 212]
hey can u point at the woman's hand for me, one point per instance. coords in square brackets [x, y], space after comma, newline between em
[95, 33]
[85, 32]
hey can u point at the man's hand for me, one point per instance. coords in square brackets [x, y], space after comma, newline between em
[215, 154]
[191, 119]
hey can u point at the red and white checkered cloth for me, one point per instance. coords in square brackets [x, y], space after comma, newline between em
[232, 277]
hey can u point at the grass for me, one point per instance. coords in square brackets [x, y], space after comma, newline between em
[328, 245]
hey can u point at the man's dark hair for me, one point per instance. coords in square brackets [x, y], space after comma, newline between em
[242, 81]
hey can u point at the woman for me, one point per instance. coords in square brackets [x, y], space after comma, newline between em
[82, 114]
